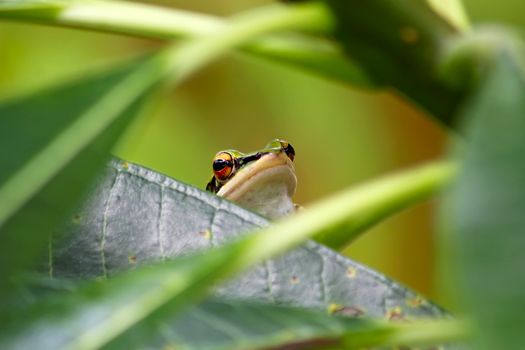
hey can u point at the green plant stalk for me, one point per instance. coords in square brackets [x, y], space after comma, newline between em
[241, 29]
[401, 192]
[137, 19]
[415, 333]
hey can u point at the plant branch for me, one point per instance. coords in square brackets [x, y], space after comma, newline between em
[307, 52]
[384, 197]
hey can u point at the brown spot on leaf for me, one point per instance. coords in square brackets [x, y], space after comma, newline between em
[395, 314]
[350, 311]
[132, 259]
[409, 35]
[351, 272]
[76, 219]
[414, 302]
[205, 233]
[294, 280]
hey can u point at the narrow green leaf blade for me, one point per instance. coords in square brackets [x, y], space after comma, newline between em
[51, 145]
[311, 54]
[452, 11]
[488, 205]
[317, 56]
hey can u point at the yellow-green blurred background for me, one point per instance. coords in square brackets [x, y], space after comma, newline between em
[342, 135]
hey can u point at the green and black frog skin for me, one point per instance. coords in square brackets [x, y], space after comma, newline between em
[263, 181]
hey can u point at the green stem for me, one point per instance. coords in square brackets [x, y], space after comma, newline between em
[137, 19]
[240, 30]
[382, 198]
[420, 332]
[342, 217]
[134, 18]
[115, 17]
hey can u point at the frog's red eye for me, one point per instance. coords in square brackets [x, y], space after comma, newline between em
[223, 166]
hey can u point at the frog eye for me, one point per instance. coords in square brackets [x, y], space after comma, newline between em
[223, 166]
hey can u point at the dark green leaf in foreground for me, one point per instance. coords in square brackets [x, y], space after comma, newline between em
[217, 324]
[51, 145]
[488, 201]
[98, 312]
[401, 50]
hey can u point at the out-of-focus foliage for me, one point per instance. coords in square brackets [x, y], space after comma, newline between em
[490, 242]
[462, 80]
[368, 133]
[48, 163]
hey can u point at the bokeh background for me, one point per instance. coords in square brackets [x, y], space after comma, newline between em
[343, 136]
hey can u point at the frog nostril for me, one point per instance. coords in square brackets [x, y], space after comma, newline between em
[290, 151]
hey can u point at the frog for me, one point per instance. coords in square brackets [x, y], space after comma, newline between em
[263, 181]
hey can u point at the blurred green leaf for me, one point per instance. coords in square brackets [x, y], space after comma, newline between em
[33, 7]
[51, 145]
[216, 324]
[402, 50]
[318, 56]
[311, 54]
[404, 190]
[99, 312]
[488, 204]
[452, 11]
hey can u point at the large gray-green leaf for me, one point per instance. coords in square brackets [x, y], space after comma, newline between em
[135, 209]
[488, 202]
[51, 145]
[136, 216]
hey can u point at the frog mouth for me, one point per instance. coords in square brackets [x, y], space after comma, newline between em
[268, 179]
